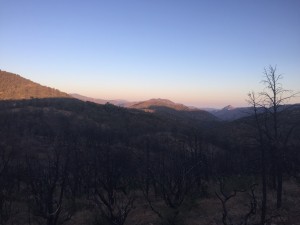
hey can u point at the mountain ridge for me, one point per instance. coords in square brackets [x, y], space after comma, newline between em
[15, 87]
[164, 107]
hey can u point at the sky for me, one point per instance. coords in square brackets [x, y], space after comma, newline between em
[201, 53]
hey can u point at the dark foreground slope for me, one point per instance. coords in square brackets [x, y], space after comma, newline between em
[85, 163]
[62, 145]
[65, 161]
[73, 118]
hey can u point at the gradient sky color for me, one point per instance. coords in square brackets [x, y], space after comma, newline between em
[202, 53]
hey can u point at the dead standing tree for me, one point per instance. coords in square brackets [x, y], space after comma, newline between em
[224, 198]
[112, 185]
[47, 185]
[6, 184]
[172, 173]
[253, 100]
[268, 106]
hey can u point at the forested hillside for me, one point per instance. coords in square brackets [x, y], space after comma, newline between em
[64, 161]
[13, 86]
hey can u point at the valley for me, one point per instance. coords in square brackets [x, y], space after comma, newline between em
[70, 161]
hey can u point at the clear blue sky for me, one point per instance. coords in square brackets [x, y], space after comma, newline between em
[202, 53]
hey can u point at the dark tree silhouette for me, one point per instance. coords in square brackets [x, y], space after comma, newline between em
[6, 184]
[269, 108]
[112, 187]
[224, 198]
[173, 177]
[47, 178]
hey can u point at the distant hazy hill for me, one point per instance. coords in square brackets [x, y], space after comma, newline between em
[159, 102]
[117, 102]
[176, 111]
[13, 86]
[230, 113]
[88, 99]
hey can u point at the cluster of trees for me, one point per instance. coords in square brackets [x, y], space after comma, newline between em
[62, 156]
[49, 181]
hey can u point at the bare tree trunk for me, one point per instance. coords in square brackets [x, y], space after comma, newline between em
[264, 187]
[253, 101]
[279, 184]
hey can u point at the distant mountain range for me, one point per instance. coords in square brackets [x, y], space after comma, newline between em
[117, 102]
[14, 87]
[163, 107]
[159, 105]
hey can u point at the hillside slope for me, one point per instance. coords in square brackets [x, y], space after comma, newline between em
[13, 87]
